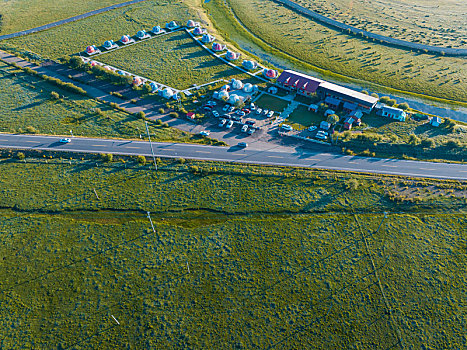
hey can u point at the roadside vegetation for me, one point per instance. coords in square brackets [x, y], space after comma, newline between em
[242, 256]
[277, 29]
[30, 104]
[19, 15]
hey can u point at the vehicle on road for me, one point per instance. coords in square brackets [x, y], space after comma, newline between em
[226, 107]
[266, 112]
[246, 110]
[240, 113]
[242, 144]
[251, 131]
[245, 128]
[65, 140]
[231, 108]
[312, 128]
[250, 122]
[259, 111]
[236, 118]
[215, 114]
[286, 127]
[252, 106]
[222, 123]
[205, 133]
[229, 124]
[270, 114]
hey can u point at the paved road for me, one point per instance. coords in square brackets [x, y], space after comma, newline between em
[68, 20]
[272, 156]
[388, 40]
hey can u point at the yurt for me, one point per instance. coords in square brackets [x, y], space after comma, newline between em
[226, 87]
[250, 65]
[248, 88]
[223, 94]
[167, 93]
[109, 44]
[108, 68]
[270, 73]
[207, 38]
[218, 47]
[120, 72]
[156, 30]
[234, 99]
[232, 56]
[125, 39]
[190, 24]
[199, 31]
[93, 63]
[154, 86]
[236, 84]
[137, 81]
[91, 49]
[141, 34]
[171, 25]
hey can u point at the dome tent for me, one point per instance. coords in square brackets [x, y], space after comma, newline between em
[125, 39]
[232, 56]
[250, 65]
[171, 25]
[167, 93]
[223, 94]
[226, 87]
[91, 49]
[199, 31]
[154, 86]
[248, 87]
[109, 44]
[218, 47]
[190, 24]
[141, 34]
[156, 29]
[235, 99]
[207, 38]
[137, 81]
[270, 73]
[236, 84]
[93, 63]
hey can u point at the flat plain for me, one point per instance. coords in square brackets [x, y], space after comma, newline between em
[241, 256]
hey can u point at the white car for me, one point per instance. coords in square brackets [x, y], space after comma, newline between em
[312, 128]
[215, 113]
[65, 140]
[226, 108]
[259, 110]
[252, 106]
[205, 133]
[245, 128]
[270, 114]
[322, 135]
[222, 123]
[286, 127]
[229, 124]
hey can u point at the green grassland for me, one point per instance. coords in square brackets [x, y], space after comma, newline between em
[302, 117]
[17, 15]
[272, 103]
[330, 51]
[26, 106]
[175, 60]
[71, 38]
[431, 22]
[241, 257]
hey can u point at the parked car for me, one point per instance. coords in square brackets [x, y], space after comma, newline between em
[250, 122]
[270, 114]
[236, 118]
[205, 133]
[242, 144]
[246, 110]
[240, 113]
[231, 108]
[207, 108]
[215, 114]
[259, 111]
[245, 128]
[211, 103]
[251, 131]
[266, 111]
[322, 135]
[252, 106]
[312, 128]
[226, 107]
[222, 123]
[226, 116]
[65, 140]
[286, 127]
[229, 124]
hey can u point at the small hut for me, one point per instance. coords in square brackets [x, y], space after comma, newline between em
[172, 25]
[92, 50]
[190, 24]
[126, 39]
[109, 45]
[249, 65]
[141, 35]
[156, 30]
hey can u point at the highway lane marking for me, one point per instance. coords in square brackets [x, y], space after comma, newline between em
[132, 147]
[390, 166]
[5, 140]
[98, 145]
[31, 141]
[427, 169]
[203, 152]
[275, 157]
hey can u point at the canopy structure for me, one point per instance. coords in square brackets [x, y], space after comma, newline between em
[232, 56]
[218, 47]
[125, 39]
[223, 94]
[270, 73]
[142, 34]
[206, 38]
[226, 87]
[234, 99]
[199, 31]
[109, 44]
[250, 65]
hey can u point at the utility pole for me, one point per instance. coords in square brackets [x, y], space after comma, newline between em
[71, 132]
[150, 220]
[150, 144]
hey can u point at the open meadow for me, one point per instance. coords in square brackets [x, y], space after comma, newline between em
[334, 52]
[240, 257]
[18, 15]
[175, 60]
[432, 22]
[27, 106]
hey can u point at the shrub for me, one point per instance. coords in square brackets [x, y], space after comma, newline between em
[333, 118]
[427, 143]
[374, 95]
[384, 99]
[159, 122]
[351, 184]
[54, 95]
[414, 139]
[194, 169]
[107, 157]
[20, 155]
[140, 115]
[365, 92]
[181, 160]
[161, 110]
[391, 102]
[30, 129]
[173, 114]
[403, 105]
[76, 62]
[141, 159]
[98, 111]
